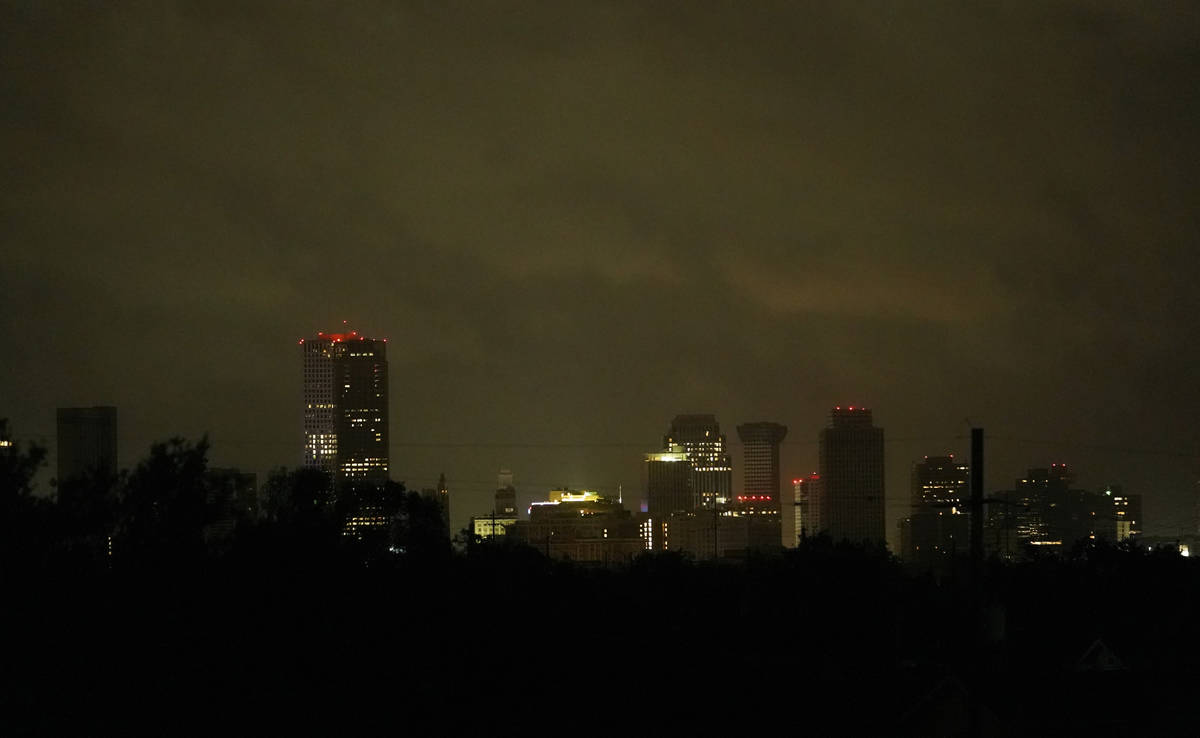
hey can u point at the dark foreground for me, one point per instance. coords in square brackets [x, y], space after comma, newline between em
[822, 641]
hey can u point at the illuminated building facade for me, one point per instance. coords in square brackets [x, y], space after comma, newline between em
[346, 406]
[712, 468]
[850, 499]
[487, 527]
[581, 526]
[938, 526]
[504, 510]
[87, 441]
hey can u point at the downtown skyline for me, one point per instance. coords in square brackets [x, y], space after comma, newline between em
[575, 223]
[472, 496]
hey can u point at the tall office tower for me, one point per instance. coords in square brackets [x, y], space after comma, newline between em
[346, 406]
[939, 525]
[87, 441]
[760, 462]
[942, 482]
[669, 483]
[1045, 511]
[506, 495]
[850, 495]
[712, 469]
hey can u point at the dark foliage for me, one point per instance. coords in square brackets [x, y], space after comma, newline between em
[302, 620]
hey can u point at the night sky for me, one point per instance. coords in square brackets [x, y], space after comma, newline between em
[576, 220]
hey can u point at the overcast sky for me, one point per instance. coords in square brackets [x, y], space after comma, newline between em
[575, 220]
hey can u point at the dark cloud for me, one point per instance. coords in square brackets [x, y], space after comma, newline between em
[575, 220]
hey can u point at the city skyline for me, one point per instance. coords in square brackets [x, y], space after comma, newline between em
[639, 265]
[899, 505]
[575, 222]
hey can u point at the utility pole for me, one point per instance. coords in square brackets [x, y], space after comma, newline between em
[974, 714]
[976, 501]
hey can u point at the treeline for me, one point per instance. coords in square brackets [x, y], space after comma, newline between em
[171, 512]
[155, 602]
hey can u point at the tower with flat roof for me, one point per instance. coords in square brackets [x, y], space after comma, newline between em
[851, 490]
[346, 406]
[760, 463]
[701, 440]
[87, 441]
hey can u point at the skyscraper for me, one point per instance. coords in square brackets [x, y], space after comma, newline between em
[669, 483]
[712, 469]
[760, 460]
[939, 525]
[87, 441]
[851, 490]
[1047, 511]
[346, 406]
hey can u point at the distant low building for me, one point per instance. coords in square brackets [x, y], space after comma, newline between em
[580, 526]
[489, 527]
[721, 534]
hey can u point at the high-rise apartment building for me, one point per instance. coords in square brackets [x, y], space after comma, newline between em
[87, 441]
[346, 406]
[712, 468]
[850, 504]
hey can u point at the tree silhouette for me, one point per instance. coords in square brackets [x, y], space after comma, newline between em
[164, 506]
[25, 520]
